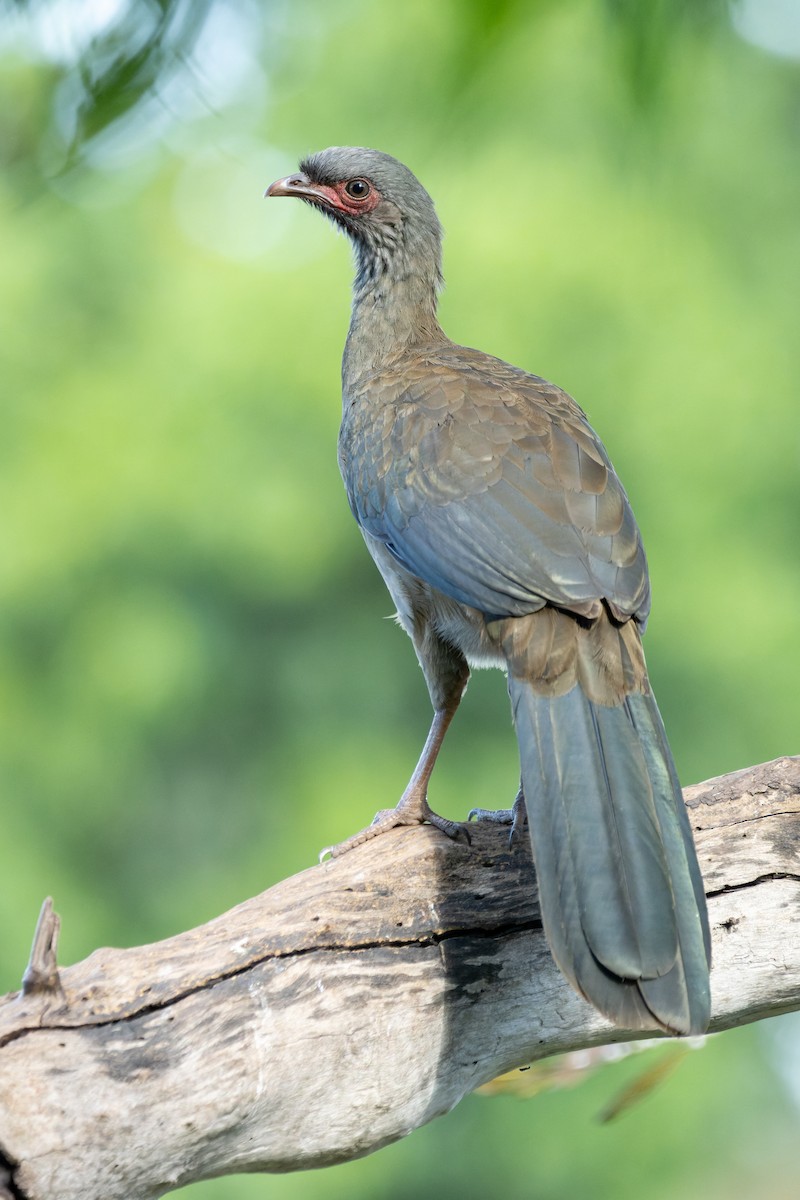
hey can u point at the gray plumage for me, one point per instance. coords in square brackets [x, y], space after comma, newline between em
[506, 539]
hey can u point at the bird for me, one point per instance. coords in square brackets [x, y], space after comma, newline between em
[505, 538]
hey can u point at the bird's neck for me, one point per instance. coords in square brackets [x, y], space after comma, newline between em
[394, 310]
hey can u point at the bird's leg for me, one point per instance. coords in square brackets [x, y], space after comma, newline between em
[413, 807]
[516, 816]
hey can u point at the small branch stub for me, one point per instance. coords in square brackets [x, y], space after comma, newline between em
[41, 974]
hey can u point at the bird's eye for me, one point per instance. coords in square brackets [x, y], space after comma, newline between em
[357, 189]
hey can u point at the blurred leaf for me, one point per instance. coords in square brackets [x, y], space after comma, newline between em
[132, 59]
[648, 31]
[645, 1082]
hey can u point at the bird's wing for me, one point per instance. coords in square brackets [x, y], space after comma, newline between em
[490, 484]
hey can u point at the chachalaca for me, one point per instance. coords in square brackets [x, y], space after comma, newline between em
[506, 539]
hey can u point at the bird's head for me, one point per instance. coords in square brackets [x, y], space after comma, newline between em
[377, 201]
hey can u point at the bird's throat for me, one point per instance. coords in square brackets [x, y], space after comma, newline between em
[393, 311]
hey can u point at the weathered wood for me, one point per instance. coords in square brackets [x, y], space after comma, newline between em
[351, 1004]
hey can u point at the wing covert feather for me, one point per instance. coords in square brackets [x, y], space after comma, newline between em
[490, 484]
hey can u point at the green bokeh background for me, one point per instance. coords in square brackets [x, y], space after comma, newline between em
[196, 686]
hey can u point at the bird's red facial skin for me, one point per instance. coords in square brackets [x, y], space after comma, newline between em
[345, 203]
[332, 196]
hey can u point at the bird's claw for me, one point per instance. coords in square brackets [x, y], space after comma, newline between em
[495, 816]
[391, 818]
[516, 816]
[456, 830]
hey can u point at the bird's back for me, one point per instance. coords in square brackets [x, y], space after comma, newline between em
[449, 453]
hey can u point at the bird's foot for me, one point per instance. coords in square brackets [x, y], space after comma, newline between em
[516, 816]
[411, 810]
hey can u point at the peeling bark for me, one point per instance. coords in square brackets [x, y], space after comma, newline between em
[349, 1004]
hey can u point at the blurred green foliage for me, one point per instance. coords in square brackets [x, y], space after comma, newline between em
[197, 689]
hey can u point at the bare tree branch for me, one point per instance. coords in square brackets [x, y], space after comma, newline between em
[349, 1004]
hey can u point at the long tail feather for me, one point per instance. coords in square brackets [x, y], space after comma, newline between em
[621, 893]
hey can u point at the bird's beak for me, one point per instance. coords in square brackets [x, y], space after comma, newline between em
[295, 185]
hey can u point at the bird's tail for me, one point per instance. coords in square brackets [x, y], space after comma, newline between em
[621, 894]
